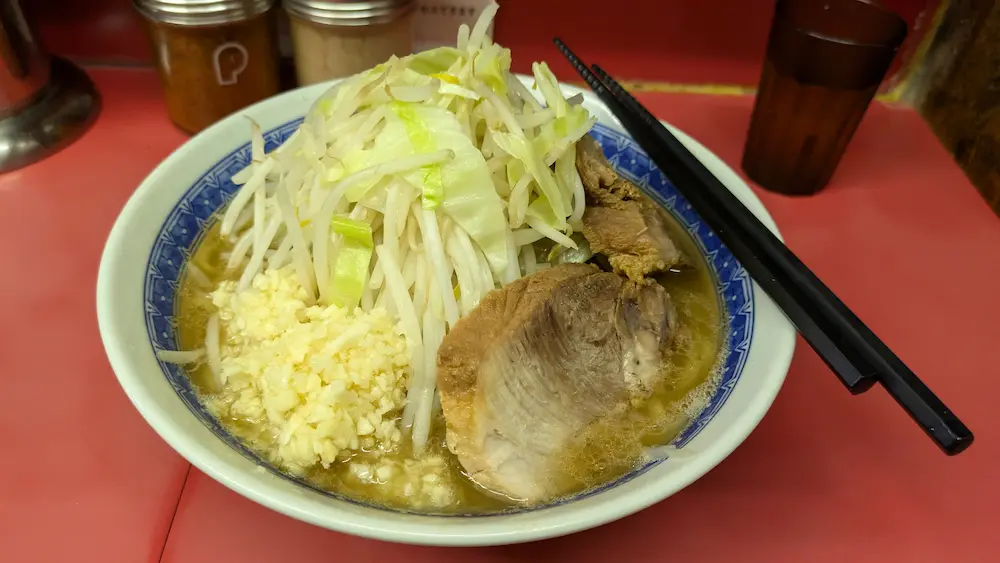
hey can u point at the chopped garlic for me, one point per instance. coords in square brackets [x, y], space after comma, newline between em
[323, 380]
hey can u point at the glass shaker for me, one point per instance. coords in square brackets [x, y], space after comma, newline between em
[214, 56]
[334, 39]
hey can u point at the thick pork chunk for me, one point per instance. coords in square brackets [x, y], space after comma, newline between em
[539, 361]
[620, 222]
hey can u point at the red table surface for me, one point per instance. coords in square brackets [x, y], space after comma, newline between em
[900, 235]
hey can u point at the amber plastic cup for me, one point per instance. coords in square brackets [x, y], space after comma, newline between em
[825, 60]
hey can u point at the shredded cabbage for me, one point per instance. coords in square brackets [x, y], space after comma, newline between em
[435, 61]
[350, 271]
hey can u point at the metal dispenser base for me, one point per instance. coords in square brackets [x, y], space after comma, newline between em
[60, 114]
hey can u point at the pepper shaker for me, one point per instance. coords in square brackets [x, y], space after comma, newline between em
[214, 57]
[337, 38]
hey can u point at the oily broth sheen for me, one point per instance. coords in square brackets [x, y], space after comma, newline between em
[613, 446]
[602, 453]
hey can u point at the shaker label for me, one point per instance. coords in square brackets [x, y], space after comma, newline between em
[230, 60]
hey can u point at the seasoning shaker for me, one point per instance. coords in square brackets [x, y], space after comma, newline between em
[334, 38]
[214, 57]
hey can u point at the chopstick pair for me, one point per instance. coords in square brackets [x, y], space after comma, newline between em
[849, 348]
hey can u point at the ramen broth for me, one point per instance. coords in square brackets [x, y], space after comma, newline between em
[607, 450]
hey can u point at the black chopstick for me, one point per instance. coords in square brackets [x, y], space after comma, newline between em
[848, 347]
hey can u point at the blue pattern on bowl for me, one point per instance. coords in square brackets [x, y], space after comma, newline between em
[187, 223]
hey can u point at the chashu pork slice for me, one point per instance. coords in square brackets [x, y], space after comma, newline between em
[539, 361]
[619, 221]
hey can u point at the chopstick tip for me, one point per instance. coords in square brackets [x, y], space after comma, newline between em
[563, 48]
[580, 67]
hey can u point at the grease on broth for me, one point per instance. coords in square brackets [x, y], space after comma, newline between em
[607, 450]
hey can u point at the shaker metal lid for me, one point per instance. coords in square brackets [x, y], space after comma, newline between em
[201, 12]
[346, 13]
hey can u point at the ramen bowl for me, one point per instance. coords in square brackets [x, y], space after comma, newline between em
[170, 212]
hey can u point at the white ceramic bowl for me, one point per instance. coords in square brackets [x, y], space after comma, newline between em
[164, 218]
